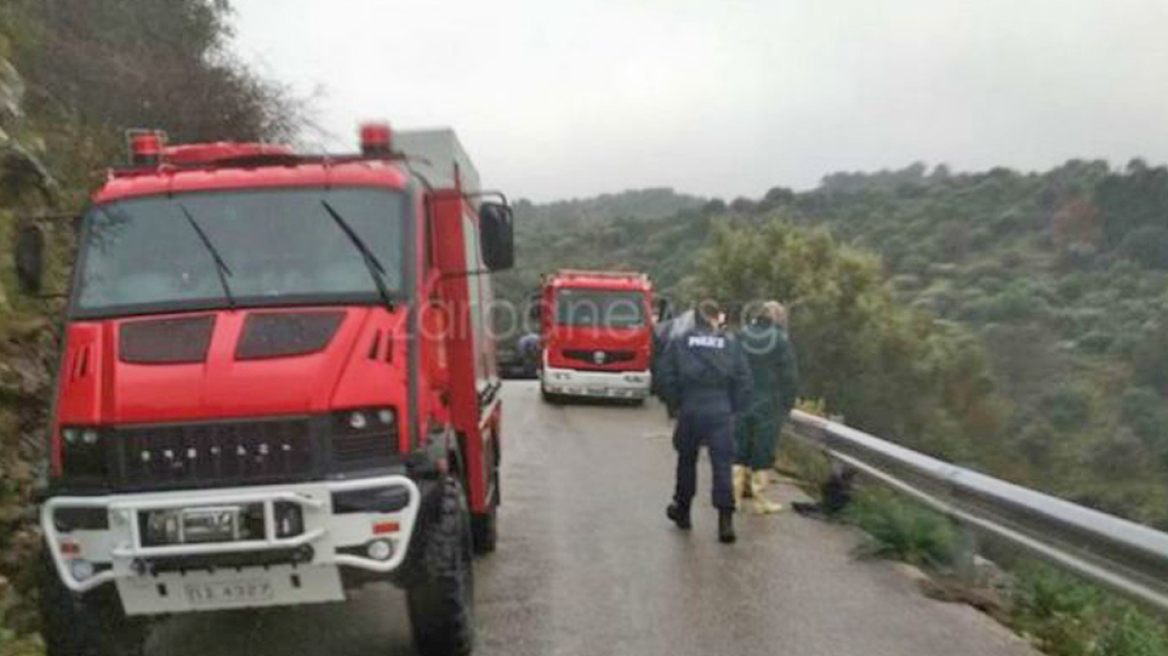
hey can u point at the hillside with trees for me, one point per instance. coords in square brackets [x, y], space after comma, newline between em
[1014, 321]
[575, 233]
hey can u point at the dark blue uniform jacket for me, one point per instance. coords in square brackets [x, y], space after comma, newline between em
[706, 372]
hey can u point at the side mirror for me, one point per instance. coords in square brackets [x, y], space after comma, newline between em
[29, 254]
[498, 236]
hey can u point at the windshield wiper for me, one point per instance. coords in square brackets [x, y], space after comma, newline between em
[376, 271]
[221, 267]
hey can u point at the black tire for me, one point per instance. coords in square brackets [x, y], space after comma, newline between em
[92, 624]
[486, 532]
[484, 526]
[441, 603]
[549, 397]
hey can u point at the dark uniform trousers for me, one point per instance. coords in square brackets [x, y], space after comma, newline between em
[714, 430]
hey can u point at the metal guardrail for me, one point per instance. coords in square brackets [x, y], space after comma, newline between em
[1127, 557]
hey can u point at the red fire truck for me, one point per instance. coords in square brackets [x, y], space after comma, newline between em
[597, 335]
[277, 384]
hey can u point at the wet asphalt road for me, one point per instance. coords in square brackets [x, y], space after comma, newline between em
[587, 564]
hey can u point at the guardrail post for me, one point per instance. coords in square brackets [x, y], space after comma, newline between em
[965, 557]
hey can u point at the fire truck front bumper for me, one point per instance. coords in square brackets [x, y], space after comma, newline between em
[597, 384]
[214, 549]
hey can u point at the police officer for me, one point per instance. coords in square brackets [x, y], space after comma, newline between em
[705, 377]
[776, 383]
[664, 333]
[529, 354]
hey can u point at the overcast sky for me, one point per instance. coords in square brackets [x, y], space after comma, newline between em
[567, 98]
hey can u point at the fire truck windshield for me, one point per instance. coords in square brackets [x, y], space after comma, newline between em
[279, 247]
[600, 308]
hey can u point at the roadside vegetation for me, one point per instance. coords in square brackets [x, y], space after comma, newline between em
[1056, 612]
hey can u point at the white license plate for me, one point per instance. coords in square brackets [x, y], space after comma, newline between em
[245, 591]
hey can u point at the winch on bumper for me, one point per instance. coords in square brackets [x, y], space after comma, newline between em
[214, 549]
[601, 384]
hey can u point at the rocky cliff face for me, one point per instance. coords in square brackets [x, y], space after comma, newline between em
[27, 346]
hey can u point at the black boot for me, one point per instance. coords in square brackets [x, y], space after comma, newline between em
[679, 515]
[726, 526]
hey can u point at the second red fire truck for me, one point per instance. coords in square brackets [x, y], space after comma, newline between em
[597, 335]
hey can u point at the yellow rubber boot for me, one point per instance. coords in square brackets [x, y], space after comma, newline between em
[764, 478]
[740, 475]
[762, 505]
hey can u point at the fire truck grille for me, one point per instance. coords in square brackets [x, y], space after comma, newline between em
[362, 448]
[221, 453]
[599, 357]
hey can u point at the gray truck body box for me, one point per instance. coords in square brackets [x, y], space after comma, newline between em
[436, 154]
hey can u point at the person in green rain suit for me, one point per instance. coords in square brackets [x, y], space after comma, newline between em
[776, 384]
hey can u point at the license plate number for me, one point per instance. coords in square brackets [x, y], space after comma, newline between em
[229, 592]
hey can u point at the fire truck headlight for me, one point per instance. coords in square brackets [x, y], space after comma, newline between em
[364, 437]
[365, 421]
[83, 451]
[357, 420]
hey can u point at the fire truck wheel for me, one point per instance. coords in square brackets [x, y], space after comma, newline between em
[441, 604]
[549, 397]
[486, 532]
[84, 625]
[484, 526]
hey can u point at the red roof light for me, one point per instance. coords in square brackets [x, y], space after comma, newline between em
[146, 146]
[376, 139]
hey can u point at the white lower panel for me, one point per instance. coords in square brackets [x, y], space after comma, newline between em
[614, 384]
[250, 587]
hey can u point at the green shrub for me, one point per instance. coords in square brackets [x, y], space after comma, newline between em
[1133, 634]
[901, 530]
[13, 645]
[1065, 616]
[1096, 341]
[943, 270]
[1150, 357]
[1148, 246]
[1067, 408]
[1143, 410]
[991, 284]
[1036, 441]
[1016, 304]
[905, 282]
[1072, 287]
[939, 299]
[915, 264]
[1053, 609]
